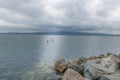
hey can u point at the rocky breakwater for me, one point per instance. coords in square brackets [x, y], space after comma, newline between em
[102, 67]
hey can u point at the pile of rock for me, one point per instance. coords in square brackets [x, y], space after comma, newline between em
[91, 68]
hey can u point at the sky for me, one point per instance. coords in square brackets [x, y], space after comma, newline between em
[95, 16]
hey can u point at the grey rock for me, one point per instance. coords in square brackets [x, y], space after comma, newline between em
[115, 76]
[108, 54]
[104, 66]
[77, 68]
[73, 75]
[60, 65]
[93, 70]
[118, 65]
[102, 78]
[101, 56]
[111, 62]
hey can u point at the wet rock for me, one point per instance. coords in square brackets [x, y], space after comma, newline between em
[94, 71]
[73, 75]
[60, 65]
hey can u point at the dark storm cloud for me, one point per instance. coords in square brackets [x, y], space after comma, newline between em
[60, 15]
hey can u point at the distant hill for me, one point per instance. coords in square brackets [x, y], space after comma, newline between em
[66, 33]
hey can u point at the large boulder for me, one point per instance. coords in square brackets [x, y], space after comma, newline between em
[73, 75]
[61, 65]
[112, 62]
[94, 70]
[97, 67]
[115, 76]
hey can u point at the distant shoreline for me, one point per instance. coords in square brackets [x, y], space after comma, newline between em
[64, 33]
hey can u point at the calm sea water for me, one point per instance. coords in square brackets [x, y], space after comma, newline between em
[26, 57]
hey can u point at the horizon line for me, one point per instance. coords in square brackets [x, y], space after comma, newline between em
[63, 33]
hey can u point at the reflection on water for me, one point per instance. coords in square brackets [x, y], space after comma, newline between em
[50, 47]
[30, 57]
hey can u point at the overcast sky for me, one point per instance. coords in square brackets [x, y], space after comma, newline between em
[101, 16]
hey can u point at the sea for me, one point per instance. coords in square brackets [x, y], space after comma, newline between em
[31, 56]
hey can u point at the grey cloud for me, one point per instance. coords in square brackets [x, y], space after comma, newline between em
[60, 15]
